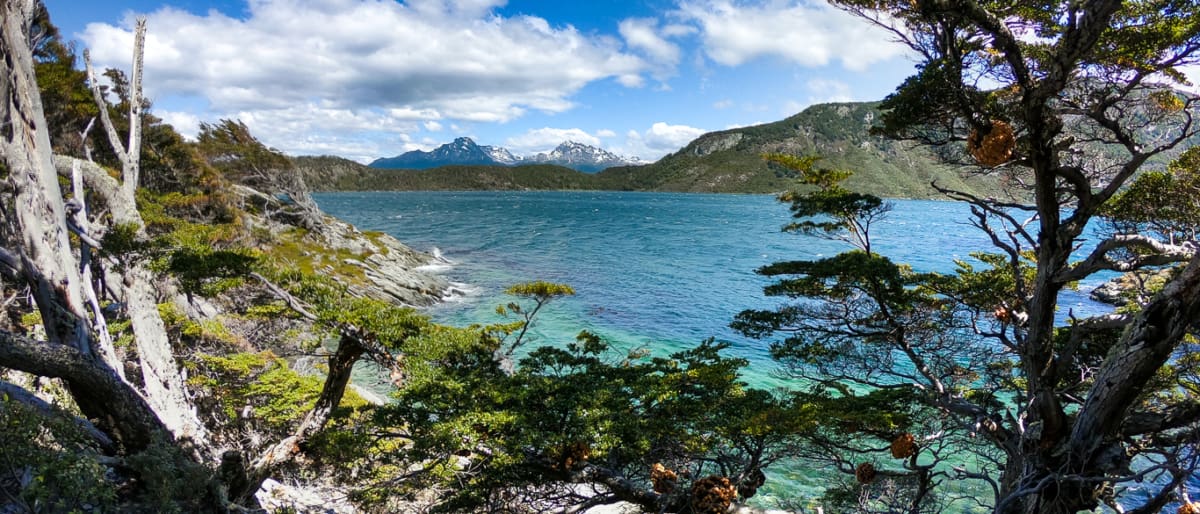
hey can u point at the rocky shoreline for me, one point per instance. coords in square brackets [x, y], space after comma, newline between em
[395, 272]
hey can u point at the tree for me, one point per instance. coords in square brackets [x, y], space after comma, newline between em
[50, 247]
[1068, 101]
[244, 160]
[581, 424]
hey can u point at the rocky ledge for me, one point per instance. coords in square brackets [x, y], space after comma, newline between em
[395, 271]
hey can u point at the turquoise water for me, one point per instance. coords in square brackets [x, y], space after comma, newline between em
[658, 270]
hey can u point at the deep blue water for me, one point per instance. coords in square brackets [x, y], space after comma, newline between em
[659, 270]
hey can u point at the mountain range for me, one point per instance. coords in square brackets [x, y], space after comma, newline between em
[465, 152]
[727, 161]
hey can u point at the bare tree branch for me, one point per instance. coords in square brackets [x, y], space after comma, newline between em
[1099, 260]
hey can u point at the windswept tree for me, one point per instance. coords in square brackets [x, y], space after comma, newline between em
[1069, 102]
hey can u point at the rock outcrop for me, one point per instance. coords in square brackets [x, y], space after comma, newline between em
[393, 269]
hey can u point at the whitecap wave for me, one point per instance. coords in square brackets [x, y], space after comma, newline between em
[459, 292]
[439, 264]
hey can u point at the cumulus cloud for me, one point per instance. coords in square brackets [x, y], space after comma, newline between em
[317, 129]
[807, 34]
[643, 34]
[820, 91]
[825, 90]
[605, 133]
[186, 123]
[546, 138]
[1192, 72]
[421, 60]
[660, 139]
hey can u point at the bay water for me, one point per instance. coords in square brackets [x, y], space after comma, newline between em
[660, 271]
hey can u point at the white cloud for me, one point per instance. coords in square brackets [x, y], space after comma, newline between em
[433, 126]
[804, 33]
[605, 133]
[546, 138]
[660, 139]
[313, 129]
[678, 30]
[1192, 72]
[819, 91]
[369, 61]
[643, 34]
[825, 90]
[723, 104]
[187, 124]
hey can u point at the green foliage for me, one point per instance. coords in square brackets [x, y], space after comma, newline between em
[53, 456]
[869, 335]
[482, 429]
[277, 396]
[180, 326]
[210, 272]
[831, 210]
[1162, 202]
[66, 100]
[540, 293]
[168, 480]
[294, 248]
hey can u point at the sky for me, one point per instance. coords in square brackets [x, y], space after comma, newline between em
[364, 79]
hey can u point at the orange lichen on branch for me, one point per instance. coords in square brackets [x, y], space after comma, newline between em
[1167, 101]
[664, 480]
[712, 495]
[994, 147]
[572, 455]
[904, 446]
[1189, 508]
[865, 473]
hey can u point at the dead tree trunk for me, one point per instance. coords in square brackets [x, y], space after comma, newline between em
[164, 387]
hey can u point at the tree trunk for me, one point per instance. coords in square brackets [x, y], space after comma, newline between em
[341, 364]
[163, 384]
[40, 215]
[96, 388]
[48, 261]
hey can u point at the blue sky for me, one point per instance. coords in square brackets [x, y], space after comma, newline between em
[370, 78]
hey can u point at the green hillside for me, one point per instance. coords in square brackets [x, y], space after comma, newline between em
[731, 160]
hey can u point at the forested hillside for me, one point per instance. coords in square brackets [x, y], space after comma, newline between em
[719, 162]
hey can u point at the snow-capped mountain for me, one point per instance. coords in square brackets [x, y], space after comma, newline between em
[585, 158]
[501, 155]
[464, 151]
